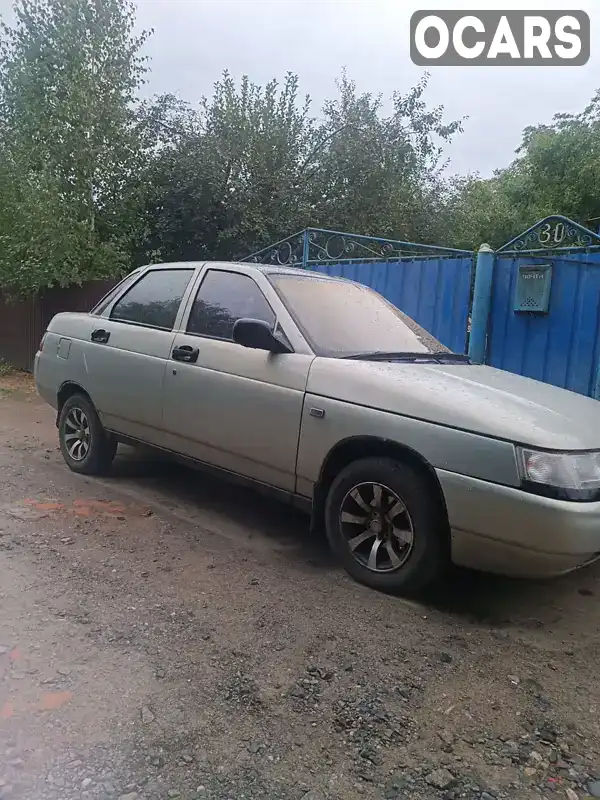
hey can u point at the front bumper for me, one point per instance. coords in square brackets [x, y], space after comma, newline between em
[508, 531]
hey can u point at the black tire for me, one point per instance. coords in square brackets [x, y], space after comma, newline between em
[422, 561]
[101, 448]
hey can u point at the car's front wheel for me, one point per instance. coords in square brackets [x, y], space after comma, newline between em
[85, 445]
[383, 523]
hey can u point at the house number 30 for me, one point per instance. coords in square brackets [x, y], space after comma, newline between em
[552, 233]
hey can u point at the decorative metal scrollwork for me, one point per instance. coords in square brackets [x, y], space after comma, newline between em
[553, 233]
[317, 246]
[324, 246]
[288, 252]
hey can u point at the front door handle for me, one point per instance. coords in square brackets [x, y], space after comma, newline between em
[185, 353]
[100, 336]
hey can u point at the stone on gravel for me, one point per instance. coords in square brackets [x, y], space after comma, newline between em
[547, 733]
[447, 737]
[440, 778]
[24, 514]
[147, 716]
[445, 658]
[325, 674]
[594, 788]
[571, 795]
[130, 796]
[314, 794]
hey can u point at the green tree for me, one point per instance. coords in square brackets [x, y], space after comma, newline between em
[251, 165]
[559, 165]
[476, 210]
[381, 174]
[556, 171]
[71, 139]
[227, 175]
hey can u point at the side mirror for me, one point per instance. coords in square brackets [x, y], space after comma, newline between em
[259, 335]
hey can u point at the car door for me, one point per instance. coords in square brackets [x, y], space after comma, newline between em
[234, 407]
[129, 348]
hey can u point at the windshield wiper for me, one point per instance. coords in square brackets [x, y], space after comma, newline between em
[451, 358]
[379, 355]
[438, 356]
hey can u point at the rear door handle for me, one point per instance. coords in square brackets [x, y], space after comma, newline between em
[100, 336]
[185, 353]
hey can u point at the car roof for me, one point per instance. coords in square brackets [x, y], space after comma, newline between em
[267, 269]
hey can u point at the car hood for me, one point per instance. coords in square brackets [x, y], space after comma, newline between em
[471, 397]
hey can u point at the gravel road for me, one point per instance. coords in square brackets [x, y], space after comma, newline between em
[163, 635]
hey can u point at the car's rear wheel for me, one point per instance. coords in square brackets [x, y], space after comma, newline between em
[384, 524]
[85, 445]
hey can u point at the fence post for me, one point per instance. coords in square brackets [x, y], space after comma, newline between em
[482, 301]
[305, 246]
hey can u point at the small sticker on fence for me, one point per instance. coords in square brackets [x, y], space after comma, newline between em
[500, 38]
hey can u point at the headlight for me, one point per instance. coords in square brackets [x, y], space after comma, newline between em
[570, 476]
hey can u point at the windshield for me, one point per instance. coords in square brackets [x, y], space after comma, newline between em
[341, 319]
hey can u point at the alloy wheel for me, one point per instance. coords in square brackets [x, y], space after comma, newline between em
[77, 434]
[377, 527]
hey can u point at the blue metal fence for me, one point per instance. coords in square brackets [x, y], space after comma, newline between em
[558, 343]
[561, 344]
[430, 284]
[561, 347]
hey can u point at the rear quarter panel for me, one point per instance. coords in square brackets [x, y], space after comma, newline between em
[63, 356]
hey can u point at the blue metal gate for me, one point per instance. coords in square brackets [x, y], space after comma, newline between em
[547, 328]
[431, 284]
[556, 340]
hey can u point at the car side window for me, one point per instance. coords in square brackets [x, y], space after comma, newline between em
[154, 300]
[105, 301]
[222, 299]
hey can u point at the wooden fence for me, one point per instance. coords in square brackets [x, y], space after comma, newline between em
[22, 323]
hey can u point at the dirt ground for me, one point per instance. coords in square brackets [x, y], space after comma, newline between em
[163, 635]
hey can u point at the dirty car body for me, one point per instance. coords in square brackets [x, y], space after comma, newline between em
[409, 456]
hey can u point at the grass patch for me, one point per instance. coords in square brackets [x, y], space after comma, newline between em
[5, 369]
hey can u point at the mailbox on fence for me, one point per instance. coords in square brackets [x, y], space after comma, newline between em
[532, 292]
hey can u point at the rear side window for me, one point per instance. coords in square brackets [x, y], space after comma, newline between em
[154, 300]
[222, 299]
[108, 298]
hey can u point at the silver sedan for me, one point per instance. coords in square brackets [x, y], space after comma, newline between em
[407, 455]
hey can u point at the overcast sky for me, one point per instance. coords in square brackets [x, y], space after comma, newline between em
[195, 40]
